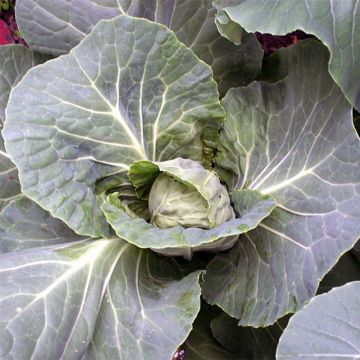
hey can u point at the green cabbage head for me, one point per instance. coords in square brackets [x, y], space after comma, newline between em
[173, 202]
[188, 209]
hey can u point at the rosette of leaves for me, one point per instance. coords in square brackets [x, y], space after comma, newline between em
[124, 151]
[173, 103]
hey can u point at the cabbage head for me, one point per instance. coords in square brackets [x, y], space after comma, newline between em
[188, 209]
[172, 202]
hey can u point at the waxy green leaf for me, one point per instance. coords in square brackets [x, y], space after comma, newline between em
[294, 140]
[50, 296]
[56, 27]
[184, 241]
[335, 22]
[24, 224]
[328, 327]
[55, 300]
[9, 182]
[195, 178]
[15, 61]
[148, 309]
[129, 91]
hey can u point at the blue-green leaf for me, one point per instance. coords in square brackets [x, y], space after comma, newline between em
[294, 140]
[328, 327]
[335, 22]
[148, 309]
[56, 27]
[15, 61]
[129, 91]
[178, 240]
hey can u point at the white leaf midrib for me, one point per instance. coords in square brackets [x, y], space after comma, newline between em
[115, 112]
[87, 259]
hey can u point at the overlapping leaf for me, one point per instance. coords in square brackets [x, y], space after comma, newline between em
[346, 270]
[56, 27]
[24, 224]
[148, 309]
[49, 298]
[179, 240]
[9, 182]
[247, 342]
[294, 140]
[335, 22]
[190, 173]
[15, 61]
[130, 91]
[201, 345]
[328, 327]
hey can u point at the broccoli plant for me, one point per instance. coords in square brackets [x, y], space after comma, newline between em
[158, 199]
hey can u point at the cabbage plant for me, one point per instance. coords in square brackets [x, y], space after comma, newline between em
[166, 192]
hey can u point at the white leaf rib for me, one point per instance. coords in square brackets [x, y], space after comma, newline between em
[156, 124]
[137, 286]
[259, 179]
[9, 198]
[2, 153]
[126, 167]
[66, 102]
[79, 312]
[35, 263]
[83, 137]
[113, 307]
[111, 270]
[278, 233]
[298, 176]
[115, 113]
[65, 22]
[8, 170]
[85, 260]
[122, 11]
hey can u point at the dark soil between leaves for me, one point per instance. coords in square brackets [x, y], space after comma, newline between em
[9, 32]
[270, 43]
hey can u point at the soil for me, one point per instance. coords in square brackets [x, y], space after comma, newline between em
[271, 43]
[9, 32]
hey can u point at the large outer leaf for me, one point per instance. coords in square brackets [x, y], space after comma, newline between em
[294, 140]
[335, 22]
[15, 61]
[328, 327]
[147, 311]
[129, 91]
[24, 224]
[179, 240]
[49, 298]
[55, 27]
[9, 182]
